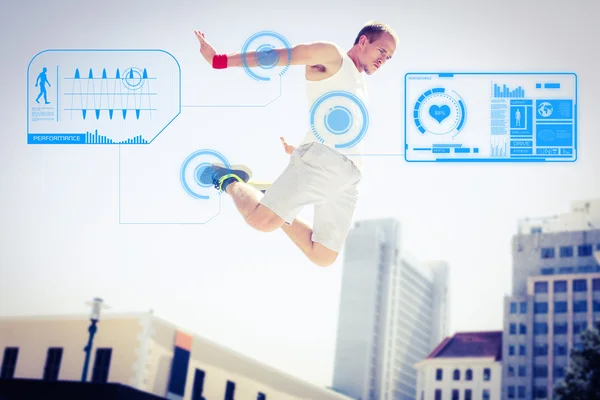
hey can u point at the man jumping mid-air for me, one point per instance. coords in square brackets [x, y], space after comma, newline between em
[317, 173]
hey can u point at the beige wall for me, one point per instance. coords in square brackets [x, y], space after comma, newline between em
[143, 348]
[33, 337]
[219, 366]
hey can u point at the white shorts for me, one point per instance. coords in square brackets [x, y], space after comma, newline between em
[317, 174]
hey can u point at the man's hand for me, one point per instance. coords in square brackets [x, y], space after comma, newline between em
[288, 148]
[207, 51]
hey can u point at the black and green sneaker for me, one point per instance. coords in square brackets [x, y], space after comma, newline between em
[220, 176]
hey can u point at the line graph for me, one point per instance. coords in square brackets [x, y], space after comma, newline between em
[125, 92]
[103, 96]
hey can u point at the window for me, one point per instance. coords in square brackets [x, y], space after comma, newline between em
[579, 285]
[540, 328]
[560, 307]
[513, 308]
[566, 270]
[580, 306]
[469, 375]
[540, 392]
[9, 362]
[596, 305]
[511, 371]
[513, 329]
[579, 327]
[178, 375]
[540, 371]
[560, 349]
[511, 352]
[596, 285]
[487, 374]
[101, 365]
[468, 394]
[198, 387]
[561, 328]
[455, 394]
[584, 250]
[456, 375]
[566, 251]
[541, 287]
[439, 374]
[230, 391]
[523, 329]
[540, 308]
[541, 350]
[438, 394]
[547, 252]
[523, 307]
[53, 359]
[536, 229]
[522, 392]
[522, 350]
[559, 372]
[486, 394]
[560, 286]
[511, 392]
[547, 271]
[522, 371]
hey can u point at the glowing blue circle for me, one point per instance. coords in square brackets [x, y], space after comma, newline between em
[363, 110]
[198, 172]
[252, 38]
[197, 169]
[267, 57]
[132, 78]
[339, 120]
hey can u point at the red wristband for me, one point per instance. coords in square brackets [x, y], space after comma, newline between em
[219, 61]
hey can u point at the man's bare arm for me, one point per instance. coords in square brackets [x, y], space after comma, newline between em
[317, 53]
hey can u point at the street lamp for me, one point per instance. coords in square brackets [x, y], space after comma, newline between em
[97, 305]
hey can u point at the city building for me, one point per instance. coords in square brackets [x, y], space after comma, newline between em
[555, 296]
[143, 352]
[393, 312]
[466, 366]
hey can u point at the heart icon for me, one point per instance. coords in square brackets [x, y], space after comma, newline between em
[439, 113]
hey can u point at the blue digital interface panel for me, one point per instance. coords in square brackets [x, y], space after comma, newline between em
[514, 117]
[103, 97]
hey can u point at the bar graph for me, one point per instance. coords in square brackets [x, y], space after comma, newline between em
[505, 92]
[498, 149]
[95, 138]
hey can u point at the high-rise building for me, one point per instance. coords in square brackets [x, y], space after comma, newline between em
[555, 296]
[393, 313]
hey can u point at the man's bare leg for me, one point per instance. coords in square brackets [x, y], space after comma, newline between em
[300, 232]
[247, 199]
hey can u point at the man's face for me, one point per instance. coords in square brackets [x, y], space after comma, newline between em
[374, 55]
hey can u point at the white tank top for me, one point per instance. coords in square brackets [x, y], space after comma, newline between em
[347, 121]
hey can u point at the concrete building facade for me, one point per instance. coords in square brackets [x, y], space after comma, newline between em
[466, 366]
[393, 312]
[144, 352]
[555, 296]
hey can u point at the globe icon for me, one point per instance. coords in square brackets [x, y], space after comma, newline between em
[545, 109]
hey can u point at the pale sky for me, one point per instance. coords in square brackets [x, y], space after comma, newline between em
[61, 242]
